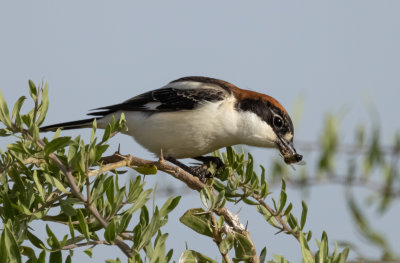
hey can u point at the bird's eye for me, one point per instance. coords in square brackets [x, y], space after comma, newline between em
[278, 122]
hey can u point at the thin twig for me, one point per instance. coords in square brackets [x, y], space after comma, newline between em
[90, 243]
[346, 148]
[359, 181]
[36, 107]
[284, 225]
[87, 180]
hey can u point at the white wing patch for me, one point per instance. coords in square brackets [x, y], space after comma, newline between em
[152, 105]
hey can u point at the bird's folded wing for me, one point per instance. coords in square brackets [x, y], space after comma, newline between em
[166, 99]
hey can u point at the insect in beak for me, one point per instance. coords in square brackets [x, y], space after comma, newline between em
[288, 152]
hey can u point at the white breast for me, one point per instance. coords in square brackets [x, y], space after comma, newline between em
[185, 134]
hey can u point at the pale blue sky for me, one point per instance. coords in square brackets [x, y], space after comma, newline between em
[334, 55]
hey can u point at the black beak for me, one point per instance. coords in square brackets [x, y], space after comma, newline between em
[288, 151]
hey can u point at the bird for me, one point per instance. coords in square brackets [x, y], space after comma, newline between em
[193, 116]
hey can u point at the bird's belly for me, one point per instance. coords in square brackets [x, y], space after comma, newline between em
[179, 134]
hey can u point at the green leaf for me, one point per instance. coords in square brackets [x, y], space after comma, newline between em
[263, 255]
[44, 106]
[207, 197]
[119, 197]
[249, 201]
[249, 168]
[22, 208]
[106, 134]
[34, 130]
[53, 241]
[244, 249]
[71, 228]
[150, 230]
[10, 245]
[73, 148]
[140, 202]
[303, 215]
[39, 186]
[262, 181]
[42, 257]
[32, 89]
[55, 182]
[99, 187]
[198, 220]
[288, 209]
[4, 132]
[55, 257]
[268, 216]
[144, 216]
[28, 252]
[230, 155]
[56, 144]
[110, 190]
[279, 259]
[110, 232]
[124, 222]
[292, 221]
[17, 107]
[67, 209]
[282, 198]
[309, 235]
[191, 256]
[343, 256]
[7, 206]
[158, 254]
[169, 205]
[220, 202]
[35, 240]
[4, 113]
[93, 133]
[146, 169]
[83, 225]
[305, 250]
[3, 249]
[323, 252]
[89, 252]
[226, 244]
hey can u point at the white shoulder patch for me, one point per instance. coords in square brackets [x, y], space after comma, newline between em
[193, 85]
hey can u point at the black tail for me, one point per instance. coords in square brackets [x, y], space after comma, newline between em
[86, 123]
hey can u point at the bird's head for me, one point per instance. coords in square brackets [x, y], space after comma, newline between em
[272, 125]
[282, 126]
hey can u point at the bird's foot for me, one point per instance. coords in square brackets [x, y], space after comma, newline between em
[211, 161]
[201, 171]
[209, 167]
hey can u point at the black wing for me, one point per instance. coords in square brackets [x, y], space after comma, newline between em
[166, 99]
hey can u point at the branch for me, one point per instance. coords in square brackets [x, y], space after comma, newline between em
[31, 160]
[75, 191]
[218, 238]
[117, 161]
